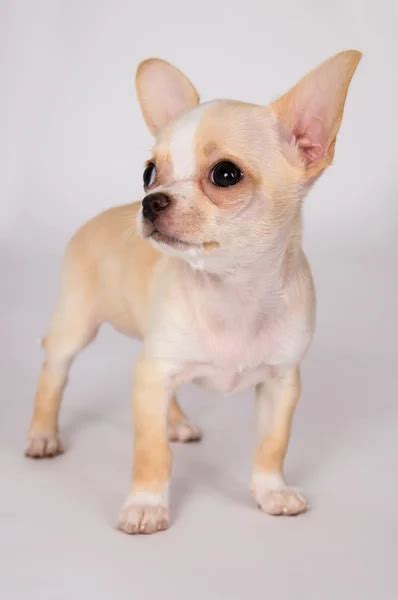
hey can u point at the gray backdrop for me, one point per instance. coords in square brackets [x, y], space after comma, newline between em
[73, 144]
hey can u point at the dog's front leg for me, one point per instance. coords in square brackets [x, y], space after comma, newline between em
[276, 400]
[146, 509]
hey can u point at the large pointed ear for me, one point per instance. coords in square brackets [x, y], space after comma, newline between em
[310, 113]
[163, 93]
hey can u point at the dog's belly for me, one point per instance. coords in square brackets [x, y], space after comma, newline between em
[228, 381]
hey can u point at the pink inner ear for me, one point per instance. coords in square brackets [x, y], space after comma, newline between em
[311, 139]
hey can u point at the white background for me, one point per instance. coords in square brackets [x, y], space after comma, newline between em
[73, 143]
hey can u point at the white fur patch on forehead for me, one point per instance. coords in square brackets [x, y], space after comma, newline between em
[182, 142]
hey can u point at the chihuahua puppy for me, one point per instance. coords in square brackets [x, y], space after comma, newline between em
[208, 270]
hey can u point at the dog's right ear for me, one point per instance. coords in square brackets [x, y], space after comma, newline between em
[163, 93]
[310, 113]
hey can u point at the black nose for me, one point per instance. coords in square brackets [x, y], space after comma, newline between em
[153, 204]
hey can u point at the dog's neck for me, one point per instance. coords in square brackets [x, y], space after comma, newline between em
[258, 277]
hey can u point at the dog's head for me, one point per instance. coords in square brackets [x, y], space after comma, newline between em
[226, 178]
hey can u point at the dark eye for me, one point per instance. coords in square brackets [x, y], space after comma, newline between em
[149, 175]
[225, 174]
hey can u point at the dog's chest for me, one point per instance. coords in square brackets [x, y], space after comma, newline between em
[227, 341]
[235, 352]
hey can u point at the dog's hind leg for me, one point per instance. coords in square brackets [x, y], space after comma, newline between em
[73, 326]
[179, 427]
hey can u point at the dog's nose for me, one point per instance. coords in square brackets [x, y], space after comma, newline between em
[153, 204]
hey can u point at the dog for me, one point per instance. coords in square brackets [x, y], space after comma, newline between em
[208, 271]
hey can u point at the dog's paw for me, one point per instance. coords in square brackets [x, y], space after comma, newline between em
[141, 518]
[43, 445]
[274, 497]
[184, 432]
[285, 501]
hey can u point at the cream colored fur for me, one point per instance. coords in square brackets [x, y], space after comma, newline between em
[218, 289]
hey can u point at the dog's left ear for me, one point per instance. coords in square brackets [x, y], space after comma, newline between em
[310, 113]
[163, 92]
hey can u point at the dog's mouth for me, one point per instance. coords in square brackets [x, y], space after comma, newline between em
[172, 241]
[179, 244]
